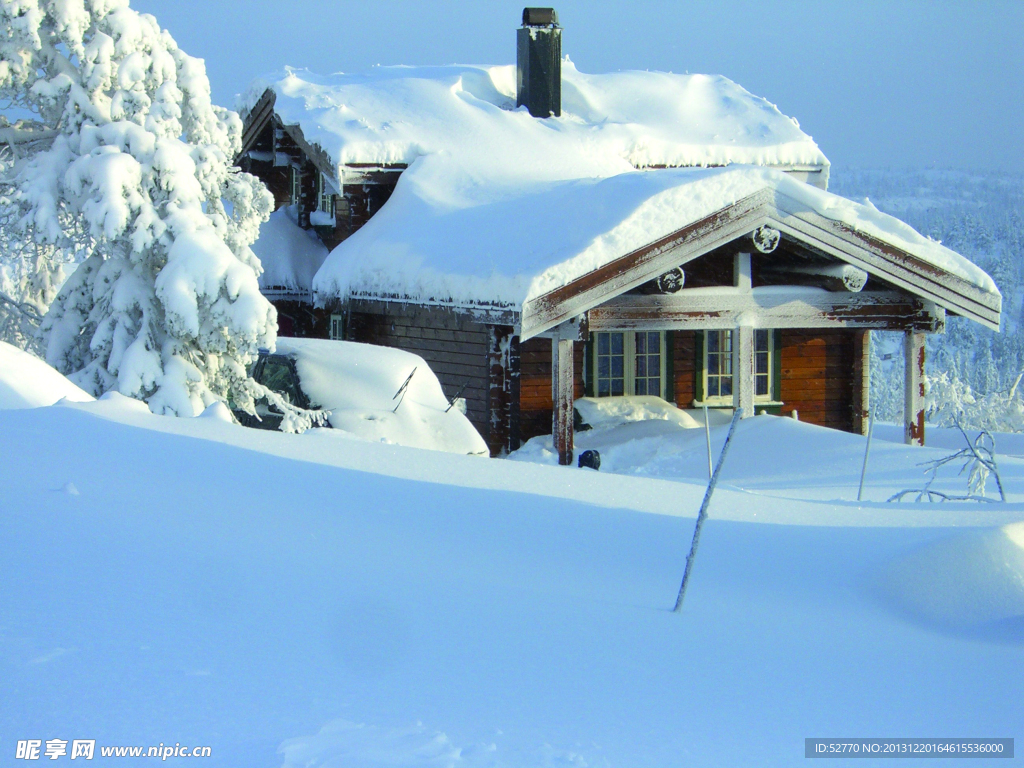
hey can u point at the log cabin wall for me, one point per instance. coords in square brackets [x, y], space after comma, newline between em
[455, 347]
[684, 368]
[300, 319]
[535, 404]
[818, 378]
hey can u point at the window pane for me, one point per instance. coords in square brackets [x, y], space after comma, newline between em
[713, 338]
[617, 343]
[761, 362]
[713, 365]
[726, 386]
[617, 387]
[602, 343]
[603, 367]
[641, 366]
[641, 343]
[602, 388]
[618, 369]
[641, 386]
[761, 385]
[761, 341]
[713, 387]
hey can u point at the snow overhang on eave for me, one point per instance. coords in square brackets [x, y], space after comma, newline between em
[766, 207]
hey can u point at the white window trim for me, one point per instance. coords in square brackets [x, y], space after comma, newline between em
[728, 400]
[325, 198]
[336, 330]
[294, 185]
[629, 362]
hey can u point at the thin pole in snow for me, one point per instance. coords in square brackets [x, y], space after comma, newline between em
[867, 450]
[702, 515]
[707, 434]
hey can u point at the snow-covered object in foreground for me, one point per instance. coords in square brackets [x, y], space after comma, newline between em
[357, 384]
[441, 237]
[136, 161]
[604, 412]
[289, 255]
[28, 382]
[609, 122]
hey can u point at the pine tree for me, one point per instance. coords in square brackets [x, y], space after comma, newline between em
[126, 159]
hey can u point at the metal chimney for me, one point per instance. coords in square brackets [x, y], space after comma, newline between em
[539, 63]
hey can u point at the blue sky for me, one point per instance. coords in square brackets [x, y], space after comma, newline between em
[877, 84]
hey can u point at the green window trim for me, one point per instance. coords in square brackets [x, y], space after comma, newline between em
[774, 405]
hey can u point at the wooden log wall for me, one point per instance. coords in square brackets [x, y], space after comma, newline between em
[456, 348]
[684, 363]
[818, 376]
[535, 404]
[298, 318]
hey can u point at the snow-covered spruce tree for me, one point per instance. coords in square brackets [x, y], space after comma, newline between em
[135, 166]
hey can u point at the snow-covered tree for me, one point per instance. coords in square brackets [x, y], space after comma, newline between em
[119, 153]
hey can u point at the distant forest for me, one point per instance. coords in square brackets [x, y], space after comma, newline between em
[973, 373]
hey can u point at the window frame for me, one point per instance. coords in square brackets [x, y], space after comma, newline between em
[771, 399]
[629, 364]
[324, 197]
[336, 326]
[294, 185]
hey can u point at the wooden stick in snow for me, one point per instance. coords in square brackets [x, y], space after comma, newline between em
[702, 515]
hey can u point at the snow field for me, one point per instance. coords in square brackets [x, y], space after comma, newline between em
[302, 611]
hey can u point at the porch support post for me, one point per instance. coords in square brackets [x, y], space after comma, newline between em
[562, 398]
[861, 380]
[913, 392]
[743, 370]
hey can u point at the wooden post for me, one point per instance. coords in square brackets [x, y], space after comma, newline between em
[861, 380]
[562, 397]
[503, 392]
[913, 388]
[743, 370]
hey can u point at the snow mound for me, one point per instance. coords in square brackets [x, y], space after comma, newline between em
[359, 385]
[605, 412]
[290, 255]
[971, 582]
[28, 382]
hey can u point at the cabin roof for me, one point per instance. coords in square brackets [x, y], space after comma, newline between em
[446, 238]
[609, 122]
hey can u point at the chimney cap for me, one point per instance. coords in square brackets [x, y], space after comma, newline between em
[540, 17]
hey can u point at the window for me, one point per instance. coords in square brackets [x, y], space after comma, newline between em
[718, 366]
[337, 327]
[325, 198]
[295, 185]
[629, 363]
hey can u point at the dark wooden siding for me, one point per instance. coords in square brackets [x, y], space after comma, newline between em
[455, 348]
[684, 365]
[298, 318]
[818, 376]
[535, 385]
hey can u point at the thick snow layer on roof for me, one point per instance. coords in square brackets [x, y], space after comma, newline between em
[28, 382]
[289, 254]
[447, 235]
[609, 122]
[358, 383]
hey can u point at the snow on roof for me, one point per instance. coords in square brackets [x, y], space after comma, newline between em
[290, 255]
[609, 122]
[447, 236]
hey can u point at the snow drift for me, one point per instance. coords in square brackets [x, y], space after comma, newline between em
[28, 382]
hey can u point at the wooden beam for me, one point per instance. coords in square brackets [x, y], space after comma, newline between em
[861, 380]
[503, 390]
[743, 365]
[886, 261]
[643, 264]
[706, 309]
[562, 397]
[913, 389]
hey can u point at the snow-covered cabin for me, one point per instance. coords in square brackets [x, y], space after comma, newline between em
[538, 234]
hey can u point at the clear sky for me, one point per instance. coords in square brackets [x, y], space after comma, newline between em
[877, 83]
